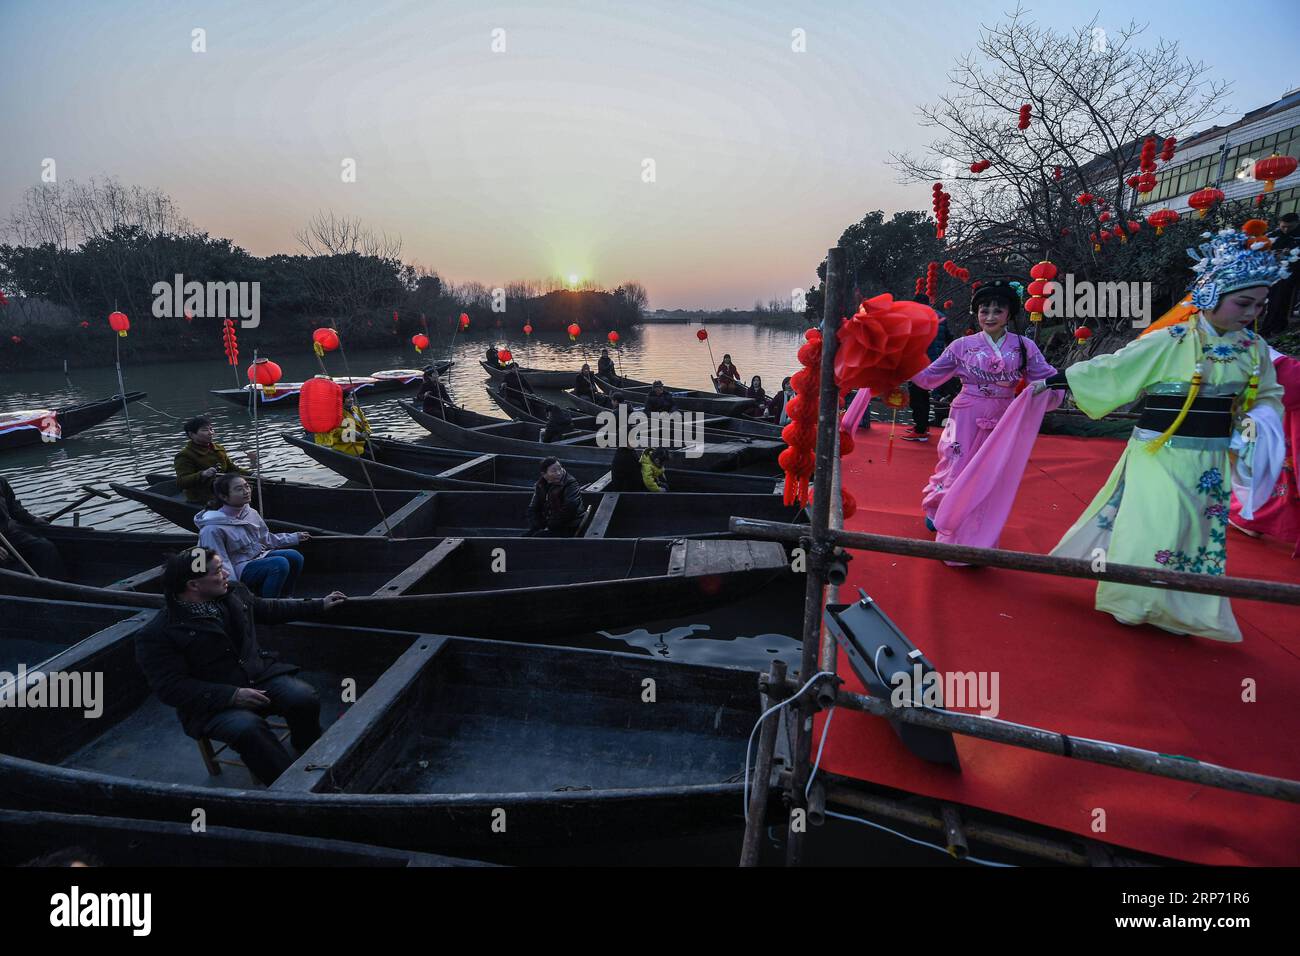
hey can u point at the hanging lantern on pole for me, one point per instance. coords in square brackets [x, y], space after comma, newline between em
[574, 331]
[504, 357]
[1162, 218]
[528, 330]
[420, 341]
[613, 338]
[1082, 334]
[1042, 274]
[320, 405]
[119, 323]
[265, 373]
[464, 320]
[324, 340]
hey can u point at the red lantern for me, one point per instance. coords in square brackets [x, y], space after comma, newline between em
[1134, 226]
[1167, 150]
[528, 330]
[230, 342]
[119, 323]
[1274, 168]
[947, 303]
[1082, 334]
[702, 335]
[394, 317]
[320, 404]
[574, 331]
[504, 357]
[265, 373]
[1057, 173]
[1162, 218]
[1035, 306]
[85, 325]
[1146, 183]
[1023, 122]
[1133, 181]
[1104, 217]
[324, 340]
[420, 341]
[1043, 270]
[464, 321]
[16, 339]
[613, 338]
[1084, 199]
[1204, 199]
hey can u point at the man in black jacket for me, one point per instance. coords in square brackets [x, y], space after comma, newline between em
[201, 656]
[658, 400]
[557, 506]
[605, 367]
[16, 522]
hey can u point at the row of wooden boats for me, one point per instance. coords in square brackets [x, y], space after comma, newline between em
[450, 745]
[284, 395]
[627, 389]
[467, 732]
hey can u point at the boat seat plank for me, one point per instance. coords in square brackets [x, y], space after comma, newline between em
[470, 466]
[601, 483]
[141, 581]
[420, 569]
[604, 515]
[353, 740]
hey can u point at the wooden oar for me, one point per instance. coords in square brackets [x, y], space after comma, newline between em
[90, 493]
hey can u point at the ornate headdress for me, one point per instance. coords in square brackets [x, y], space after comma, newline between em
[1233, 260]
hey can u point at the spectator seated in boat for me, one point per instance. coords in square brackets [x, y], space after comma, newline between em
[557, 507]
[259, 559]
[776, 405]
[605, 367]
[584, 385]
[558, 424]
[729, 378]
[200, 655]
[432, 394]
[755, 391]
[492, 358]
[626, 470]
[658, 400]
[20, 526]
[350, 435]
[202, 459]
[653, 477]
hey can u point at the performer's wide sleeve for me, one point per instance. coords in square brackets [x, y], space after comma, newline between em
[1106, 382]
[938, 371]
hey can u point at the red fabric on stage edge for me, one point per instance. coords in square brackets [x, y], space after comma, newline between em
[1066, 667]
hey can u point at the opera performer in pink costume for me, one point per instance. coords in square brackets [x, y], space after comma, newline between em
[1279, 517]
[993, 366]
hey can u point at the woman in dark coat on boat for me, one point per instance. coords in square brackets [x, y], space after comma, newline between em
[491, 357]
[433, 394]
[557, 507]
[729, 378]
[584, 386]
[776, 405]
[626, 470]
[755, 391]
[605, 367]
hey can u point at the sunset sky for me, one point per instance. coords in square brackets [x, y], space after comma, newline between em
[528, 163]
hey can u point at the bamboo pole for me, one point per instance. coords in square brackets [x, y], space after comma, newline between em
[257, 439]
[1102, 752]
[827, 426]
[14, 551]
[757, 819]
[1249, 588]
[361, 459]
[90, 493]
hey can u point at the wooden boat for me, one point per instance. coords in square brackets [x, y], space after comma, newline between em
[292, 506]
[36, 426]
[718, 425]
[683, 399]
[536, 377]
[447, 737]
[31, 834]
[35, 635]
[400, 464]
[505, 588]
[286, 393]
[524, 438]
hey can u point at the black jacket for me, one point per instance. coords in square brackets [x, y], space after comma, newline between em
[626, 471]
[11, 509]
[605, 369]
[543, 513]
[585, 386]
[197, 664]
[658, 403]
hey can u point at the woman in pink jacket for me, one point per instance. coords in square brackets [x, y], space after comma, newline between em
[265, 562]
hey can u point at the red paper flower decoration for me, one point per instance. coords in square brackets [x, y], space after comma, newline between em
[883, 344]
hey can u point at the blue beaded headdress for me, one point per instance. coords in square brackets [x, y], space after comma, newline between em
[1229, 262]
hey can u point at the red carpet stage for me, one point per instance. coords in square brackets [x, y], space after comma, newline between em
[1064, 666]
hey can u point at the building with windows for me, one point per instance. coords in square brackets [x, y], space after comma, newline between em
[1223, 156]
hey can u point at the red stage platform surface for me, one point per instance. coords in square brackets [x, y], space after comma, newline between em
[1066, 667]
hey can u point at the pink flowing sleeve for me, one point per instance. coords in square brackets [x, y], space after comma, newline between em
[938, 371]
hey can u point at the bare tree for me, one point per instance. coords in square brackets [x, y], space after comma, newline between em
[1093, 94]
[353, 263]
